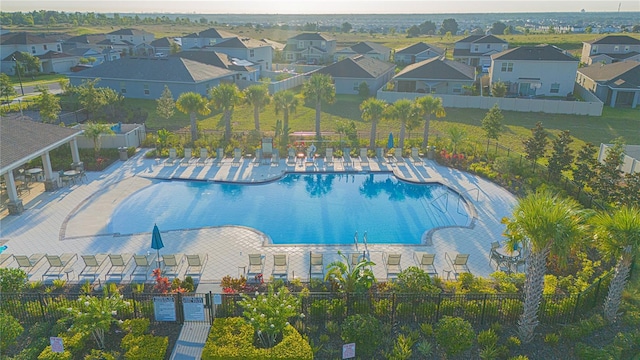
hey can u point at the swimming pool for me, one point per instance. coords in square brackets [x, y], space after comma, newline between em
[317, 208]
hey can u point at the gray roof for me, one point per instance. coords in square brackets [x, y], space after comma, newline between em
[86, 39]
[23, 140]
[240, 43]
[418, 48]
[470, 38]
[617, 75]
[174, 69]
[538, 53]
[311, 36]
[129, 32]
[357, 67]
[618, 55]
[23, 38]
[615, 39]
[210, 58]
[213, 33]
[367, 47]
[437, 68]
[489, 39]
[162, 42]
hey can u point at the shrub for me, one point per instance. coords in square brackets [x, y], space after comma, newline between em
[424, 348]
[101, 355]
[487, 338]
[402, 348]
[551, 339]
[413, 280]
[144, 347]
[363, 330]
[47, 354]
[513, 342]
[10, 329]
[12, 280]
[136, 326]
[454, 335]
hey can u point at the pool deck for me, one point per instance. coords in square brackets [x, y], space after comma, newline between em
[74, 219]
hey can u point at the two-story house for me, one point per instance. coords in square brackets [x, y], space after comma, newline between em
[48, 50]
[258, 52]
[133, 36]
[365, 48]
[610, 49]
[162, 46]
[314, 48]
[476, 50]
[534, 71]
[243, 69]
[416, 53]
[204, 38]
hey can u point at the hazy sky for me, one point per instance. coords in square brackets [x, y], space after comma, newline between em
[320, 6]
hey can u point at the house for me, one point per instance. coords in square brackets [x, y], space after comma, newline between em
[365, 48]
[416, 53]
[205, 38]
[313, 48]
[242, 69]
[85, 41]
[630, 157]
[349, 73]
[145, 77]
[258, 52]
[610, 49]
[133, 36]
[435, 76]
[94, 56]
[162, 46]
[616, 84]
[10, 43]
[476, 50]
[542, 70]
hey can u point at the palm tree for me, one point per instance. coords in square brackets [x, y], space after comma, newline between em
[93, 132]
[544, 224]
[225, 97]
[192, 103]
[457, 137]
[258, 97]
[287, 102]
[618, 236]
[319, 88]
[348, 277]
[428, 106]
[404, 111]
[372, 110]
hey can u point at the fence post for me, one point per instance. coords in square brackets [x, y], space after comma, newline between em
[595, 298]
[41, 301]
[393, 310]
[135, 308]
[438, 308]
[575, 309]
[209, 303]
[484, 305]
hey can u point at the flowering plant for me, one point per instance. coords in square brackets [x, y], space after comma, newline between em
[269, 313]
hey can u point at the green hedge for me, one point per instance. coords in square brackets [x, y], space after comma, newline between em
[232, 338]
[144, 347]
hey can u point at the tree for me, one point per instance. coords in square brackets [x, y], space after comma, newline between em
[111, 99]
[6, 87]
[287, 102]
[617, 235]
[225, 97]
[349, 278]
[258, 97]
[562, 155]
[498, 89]
[372, 111]
[498, 28]
[402, 110]
[428, 28]
[586, 165]
[449, 25]
[629, 192]
[29, 63]
[192, 103]
[542, 224]
[457, 137]
[534, 146]
[346, 27]
[93, 131]
[165, 107]
[492, 124]
[427, 106]
[588, 29]
[319, 88]
[175, 48]
[48, 104]
[413, 31]
[90, 97]
[609, 174]
[363, 90]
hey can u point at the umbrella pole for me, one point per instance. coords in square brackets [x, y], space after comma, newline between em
[158, 258]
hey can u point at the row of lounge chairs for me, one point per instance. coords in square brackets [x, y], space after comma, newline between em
[363, 159]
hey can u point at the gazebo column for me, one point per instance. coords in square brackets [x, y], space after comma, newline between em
[50, 184]
[15, 203]
[75, 155]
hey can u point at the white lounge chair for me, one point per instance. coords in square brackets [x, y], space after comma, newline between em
[280, 266]
[415, 156]
[328, 158]
[458, 264]
[398, 155]
[219, 155]
[173, 155]
[237, 157]
[196, 264]
[142, 266]
[267, 150]
[364, 157]
[392, 264]
[171, 265]
[92, 265]
[119, 264]
[29, 264]
[5, 258]
[291, 158]
[256, 266]
[204, 154]
[186, 160]
[425, 262]
[60, 265]
[316, 265]
[346, 157]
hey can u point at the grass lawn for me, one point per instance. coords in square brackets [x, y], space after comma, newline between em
[39, 79]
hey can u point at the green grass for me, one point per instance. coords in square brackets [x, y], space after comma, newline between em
[39, 79]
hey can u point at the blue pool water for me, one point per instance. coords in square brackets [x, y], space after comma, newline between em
[299, 208]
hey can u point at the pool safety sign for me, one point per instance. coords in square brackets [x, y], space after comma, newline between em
[349, 351]
[56, 344]
[193, 308]
[164, 308]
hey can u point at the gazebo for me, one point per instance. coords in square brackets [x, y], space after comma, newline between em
[22, 140]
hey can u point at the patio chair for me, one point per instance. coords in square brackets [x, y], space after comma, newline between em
[328, 158]
[64, 179]
[280, 266]
[196, 264]
[415, 156]
[291, 158]
[29, 264]
[494, 256]
[392, 264]
[425, 262]
[60, 265]
[219, 155]
[316, 265]
[186, 160]
[119, 264]
[203, 156]
[380, 155]
[458, 264]
[267, 149]
[8, 258]
[364, 157]
[173, 155]
[171, 265]
[398, 155]
[275, 158]
[237, 157]
[346, 157]
[142, 266]
[92, 265]
[256, 266]
[357, 257]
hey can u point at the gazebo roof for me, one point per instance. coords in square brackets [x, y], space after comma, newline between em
[24, 140]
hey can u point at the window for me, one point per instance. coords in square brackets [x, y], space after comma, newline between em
[356, 85]
[123, 88]
[555, 88]
[616, 48]
[475, 48]
[120, 37]
[33, 49]
[300, 44]
[323, 44]
[507, 67]
[252, 53]
[44, 47]
[146, 89]
[59, 48]
[488, 46]
[289, 56]
[457, 88]
[594, 49]
[626, 48]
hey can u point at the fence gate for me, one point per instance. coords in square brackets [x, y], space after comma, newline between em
[194, 308]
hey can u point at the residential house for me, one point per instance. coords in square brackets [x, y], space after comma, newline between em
[616, 84]
[258, 52]
[349, 73]
[242, 69]
[365, 48]
[542, 70]
[416, 53]
[205, 38]
[133, 36]
[476, 50]
[313, 48]
[10, 43]
[435, 76]
[85, 41]
[610, 49]
[162, 46]
[94, 56]
[145, 77]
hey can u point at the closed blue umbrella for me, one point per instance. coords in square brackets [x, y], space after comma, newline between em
[156, 242]
[390, 141]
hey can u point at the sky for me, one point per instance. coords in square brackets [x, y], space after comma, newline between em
[320, 6]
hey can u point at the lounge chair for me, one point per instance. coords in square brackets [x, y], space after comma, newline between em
[275, 158]
[415, 156]
[5, 258]
[425, 262]
[196, 264]
[316, 265]
[171, 265]
[258, 159]
[173, 155]
[380, 155]
[392, 264]
[256, 266]
[267, 150]
[204, 154]
[119, 264]
[237, 157]
[458, 264]
[186, 160]
[328, 158]
[280, 266]
[92, 265]
[29, 264]
[142, 266]
[346, 157]
[219, 155]
[398, 155]
[60, 265]
[291, 158]
[357, 257]
[364, 157]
